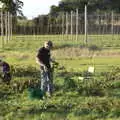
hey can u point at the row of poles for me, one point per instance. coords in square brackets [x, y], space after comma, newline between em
[71, 26]
[68, 23]
[87, 25]
[6, 28]
[67, 26]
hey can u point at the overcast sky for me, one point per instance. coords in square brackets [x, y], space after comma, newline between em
[33, 8]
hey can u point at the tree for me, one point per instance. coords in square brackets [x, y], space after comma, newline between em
[115, 5]
[13, 6]
[93, 6]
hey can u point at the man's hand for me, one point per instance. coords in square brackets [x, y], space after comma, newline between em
[37, 61]
[44, 68]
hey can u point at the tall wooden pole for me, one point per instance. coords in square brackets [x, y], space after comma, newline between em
[85, 25]
[112, 23]
[66, 23]
[71, 29]
[8, 26]
[63, 21]
[71, 22]
[11, 26]
[76, 24]
[2, 30]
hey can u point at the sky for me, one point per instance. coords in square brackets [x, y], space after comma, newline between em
[33, 8]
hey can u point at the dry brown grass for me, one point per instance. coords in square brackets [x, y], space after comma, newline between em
[84, 52]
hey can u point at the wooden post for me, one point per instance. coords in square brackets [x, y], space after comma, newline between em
[2, 30]
[71, 22]
[8, 26]
[66, 23]
[63, 26]
[76, 24]
[11, 27]
[112, 23]
[85, 24]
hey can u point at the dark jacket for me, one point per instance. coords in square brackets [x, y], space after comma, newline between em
[6, 72]
[5, 67]
[44, 56]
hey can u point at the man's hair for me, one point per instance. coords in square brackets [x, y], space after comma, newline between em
[49, 43]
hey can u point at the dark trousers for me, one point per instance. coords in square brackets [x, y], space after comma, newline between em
[46, 81]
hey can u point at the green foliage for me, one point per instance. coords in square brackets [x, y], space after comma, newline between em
[25, 71]
[78, 103]
[69, 84]
[5, 90]
[96, 98]
[93, 6]
[92, 88]
[13, 6]
[114, 74]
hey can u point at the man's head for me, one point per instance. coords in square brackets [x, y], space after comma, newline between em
[48, 44]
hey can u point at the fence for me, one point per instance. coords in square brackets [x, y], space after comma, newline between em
[73, 26]
[96, 24]
[5, 27]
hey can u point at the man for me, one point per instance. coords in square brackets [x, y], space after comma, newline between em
[43, 58]
[6, 76]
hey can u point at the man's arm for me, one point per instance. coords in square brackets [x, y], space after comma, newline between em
[39, 57]
[39, 62]
[43, 66]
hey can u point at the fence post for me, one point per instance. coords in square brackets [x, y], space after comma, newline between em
[2, 30]
[66, 23]
[11, 26]
[85, 25]
[63, 21]
[112, 24]
[8, 26]
[71, 22]
[112, 20]
[76, 24]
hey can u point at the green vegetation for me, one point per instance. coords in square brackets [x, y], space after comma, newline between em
[96, 98]
[93, 6]
[12, 6]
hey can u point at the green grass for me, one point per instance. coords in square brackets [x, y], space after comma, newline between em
[95, 99]
[25, 41]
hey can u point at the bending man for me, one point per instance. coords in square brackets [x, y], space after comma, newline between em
[6, 76]
[43, 58]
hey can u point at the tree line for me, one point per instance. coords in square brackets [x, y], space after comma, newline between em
[54, 21]
[15, 6]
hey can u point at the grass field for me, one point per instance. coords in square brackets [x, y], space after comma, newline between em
[95, 99]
